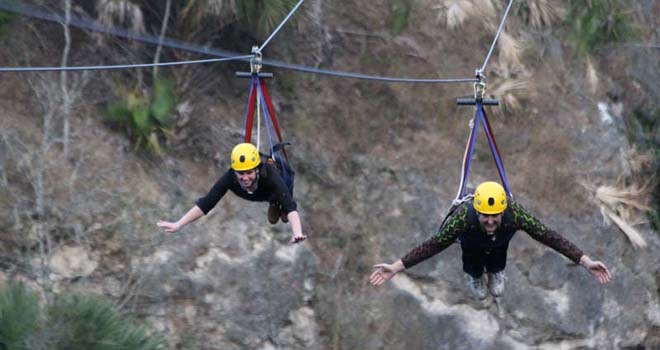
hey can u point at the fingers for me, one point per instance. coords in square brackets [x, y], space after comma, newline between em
[381, 275]
[297, 239]
[377, 278]
[168, 226]
[374, 275]
[604, 273]
[600, 271]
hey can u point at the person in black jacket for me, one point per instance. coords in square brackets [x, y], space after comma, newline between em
[484, 227]
[252, 180]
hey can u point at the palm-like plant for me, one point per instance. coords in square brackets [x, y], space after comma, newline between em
[624, 206]
[145, 117]
[70, 322]
[509, 92]
[19, 315]
[90, 323]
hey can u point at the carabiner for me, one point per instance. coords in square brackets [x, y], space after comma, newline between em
[255, 62]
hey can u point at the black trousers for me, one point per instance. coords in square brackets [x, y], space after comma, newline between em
[477, 259]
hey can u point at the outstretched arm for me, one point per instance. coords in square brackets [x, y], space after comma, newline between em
[193, 214]
[596, 269]
[554, 240]
[384, 272]
[447, 234]
[296, 229]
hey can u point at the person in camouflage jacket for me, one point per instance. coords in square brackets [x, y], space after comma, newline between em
[484, 227]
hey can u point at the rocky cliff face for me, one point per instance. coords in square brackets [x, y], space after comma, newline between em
[377, 167]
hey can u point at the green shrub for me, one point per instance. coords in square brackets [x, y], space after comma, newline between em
[19, 313]
[70, 322]
[93, 323]
[146, 118]
[5, 18]
[400, 11]
[594, 23]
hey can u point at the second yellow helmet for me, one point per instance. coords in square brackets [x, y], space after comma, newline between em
[489, 198]
[244, 157]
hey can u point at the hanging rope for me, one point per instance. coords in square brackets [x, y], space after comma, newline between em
[121, 66]
[88, 24]
[497, 35]
[280, 26]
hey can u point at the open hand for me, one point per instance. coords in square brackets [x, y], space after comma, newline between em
[168, 226]
[596, 269]
[599, 271]
[383, 273]
[297, 238]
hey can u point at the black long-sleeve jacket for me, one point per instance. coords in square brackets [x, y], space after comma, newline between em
[270, 188]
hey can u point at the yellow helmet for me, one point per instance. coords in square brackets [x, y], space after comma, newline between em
[244, 156]
[489, 198]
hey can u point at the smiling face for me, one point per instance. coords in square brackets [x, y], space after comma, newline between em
[247, 179]
[490, 222]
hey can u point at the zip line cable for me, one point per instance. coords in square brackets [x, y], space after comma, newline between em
[120, 66]
[280, 26]
[497, 35]
[76, 21]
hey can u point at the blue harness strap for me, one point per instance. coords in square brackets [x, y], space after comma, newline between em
[480, 118]
[493, 148]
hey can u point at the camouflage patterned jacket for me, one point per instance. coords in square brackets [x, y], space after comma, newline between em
[464, 224]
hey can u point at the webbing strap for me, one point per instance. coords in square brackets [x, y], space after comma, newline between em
[273, 116]
[480, 118]
[493, 148]
[272, 130]
[249, 111]
[267, 119]
[467, 158]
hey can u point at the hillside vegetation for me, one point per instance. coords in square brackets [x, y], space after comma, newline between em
[90, 161]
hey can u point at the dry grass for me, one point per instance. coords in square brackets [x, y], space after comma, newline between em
[509, 93]
[638, 162]
[453, 13]
[623, 205]
[197, 10]
[592, 77]
[112, 12]
[540, 13]
[510, 49]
